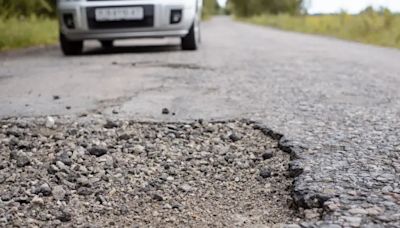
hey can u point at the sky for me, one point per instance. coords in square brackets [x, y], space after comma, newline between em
[351, 6]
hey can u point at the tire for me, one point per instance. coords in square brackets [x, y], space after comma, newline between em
[192, 40]
[70, 47]
[106, 44]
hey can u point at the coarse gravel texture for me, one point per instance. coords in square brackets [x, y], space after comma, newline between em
[335, 102]
[92, 172]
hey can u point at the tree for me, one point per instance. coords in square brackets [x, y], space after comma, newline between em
[26, 7]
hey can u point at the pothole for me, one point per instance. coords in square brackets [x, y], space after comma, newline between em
[121, 173]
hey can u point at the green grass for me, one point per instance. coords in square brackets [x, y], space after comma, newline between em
[20, 33]
[372, 28]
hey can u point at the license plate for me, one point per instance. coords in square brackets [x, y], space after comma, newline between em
[119, 13]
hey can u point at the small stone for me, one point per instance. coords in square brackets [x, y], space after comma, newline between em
[311, 214]
[22, 160]
[265, 173]
[115, 112]
[167, 206]
[101, 199]
[13, 132]
[68, 107]
[6, 197]
[56, 97]
[52, 169]
[291, 226]
[97, 151]
[358, 211]
[58, 192]
[83, 181]
[353, 221]
[157, 197]
[61, 166]
[185, 188]
[64, 158]
[235, 137]
[64, 216]
[375, 210]
[110, 124]
[45, 189]
[83, 191]
[267, 155]
[165, 111]
[50, 122]
[139, 149]
[37, 201]
[332, 206]
[170, 178]
[124, 137]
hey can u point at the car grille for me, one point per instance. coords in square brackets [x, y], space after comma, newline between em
[148, 20]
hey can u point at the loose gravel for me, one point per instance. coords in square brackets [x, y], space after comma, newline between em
[92, 172]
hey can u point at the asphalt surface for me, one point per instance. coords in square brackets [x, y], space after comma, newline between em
[335, 102]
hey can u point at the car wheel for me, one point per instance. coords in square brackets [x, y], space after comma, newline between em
[107, 43]
[70, 47]
[192, 39]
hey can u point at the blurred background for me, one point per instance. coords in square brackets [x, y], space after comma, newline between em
[25, 23]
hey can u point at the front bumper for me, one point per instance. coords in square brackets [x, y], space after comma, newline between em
[160, 26]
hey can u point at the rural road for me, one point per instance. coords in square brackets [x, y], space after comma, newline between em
[337, 103]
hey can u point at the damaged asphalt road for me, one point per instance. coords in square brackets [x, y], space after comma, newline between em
[336, 103]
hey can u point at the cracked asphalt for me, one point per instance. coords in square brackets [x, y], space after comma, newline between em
[335, 102]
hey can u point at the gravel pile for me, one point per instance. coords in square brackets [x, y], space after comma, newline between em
[91, 173]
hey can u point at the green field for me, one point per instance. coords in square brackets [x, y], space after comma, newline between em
[373, 28]
[19, 33]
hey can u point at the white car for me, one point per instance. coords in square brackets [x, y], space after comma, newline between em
[108, 20]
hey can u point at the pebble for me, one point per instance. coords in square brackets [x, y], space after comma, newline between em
[97, 151]
[165, 111]
[157, 197]
[45, 189]
[58, 192]
[267, 155]
[353, 221]
[64, 216]
[265, 172]
[358, 211]
[185, 188]
[50, 122]
[110, 124]
[139, 149]
[37, 201]
[22, 159]
[235, 137]
[65, 158]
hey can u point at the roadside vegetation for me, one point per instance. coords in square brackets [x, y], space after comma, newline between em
[379, 27]
[210, 8]
[25, 23]
[27, 31]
